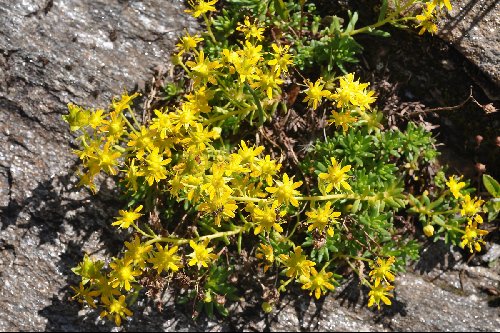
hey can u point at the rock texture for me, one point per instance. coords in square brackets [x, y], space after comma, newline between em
[53, 52]
[85, 51]
[473, 29]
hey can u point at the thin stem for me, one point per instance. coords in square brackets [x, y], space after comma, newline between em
[184, 67]
[449, 227]
[209, 29]
[129, 124]
[390, 19]
[331, 197]
[446, 212]
[308, 198]
[139, 230]
[180, 241]
[256, 99]
[362, 279]
[132, 113]
[222, 117]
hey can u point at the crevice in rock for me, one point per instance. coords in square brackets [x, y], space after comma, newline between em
[45, 9]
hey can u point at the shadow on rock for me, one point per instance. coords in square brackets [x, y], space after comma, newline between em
[352, 293]
[435, 255]
[60, 220]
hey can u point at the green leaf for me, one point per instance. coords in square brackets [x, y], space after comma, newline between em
[493, 208]
[491, 185]
[352, 22]
[379, 33]
[383, 10]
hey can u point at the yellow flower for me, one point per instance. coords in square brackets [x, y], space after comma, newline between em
[380, 293]
[266, 253]
[336, 176]
[343, 119]
[248, 154]
[165, 259]
[285, 191]
[216, 184]
[155, 170]
[123, 273]
[321, 218]
[268, 82]
[267, 218]
[221, 208]
[473, 237]
[85, 294]
[114, 127]
[317, 282]
[245, 61]
[201, 7]
[352, 93]
[199, 138]
[281, 58]
[297, 264]
[381, 270]
[315, 93]
[455, 187]
[141, 141]
[470, 207]
[107, 159]
[251, 53]
[266, 169]
[137, 252]
[201, 255]
[132, 173]
[426, 19]
[163, 123]
[185, 116]
[124, 102]
[188, 43]
[116, 309]
[96, 118]
[441, 3]
[200, 99]
[236, 165]
[127, 217]
[106, 290]
[429, 230]
[251, 29]
[77, 118]
[203, 69]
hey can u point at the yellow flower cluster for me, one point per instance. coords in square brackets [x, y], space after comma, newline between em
[381, 277]
[176, 152]
[426, 19]
[350, 97]
[470, 209]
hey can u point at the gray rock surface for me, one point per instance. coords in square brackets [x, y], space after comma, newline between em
[53, 52]
[57, 51]
[473, 28]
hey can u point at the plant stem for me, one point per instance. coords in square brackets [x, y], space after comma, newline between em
[129, 124]
[390, 19]
[257, 102]
[139, 230]
[180, 241]
[209, 29]
[222, 117]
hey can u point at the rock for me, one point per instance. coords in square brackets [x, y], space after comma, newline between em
[472, 28]
[53, 52]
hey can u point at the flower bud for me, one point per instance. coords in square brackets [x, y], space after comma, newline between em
[267, 307]
[478, 138]
[429, 230]
[480, 168]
